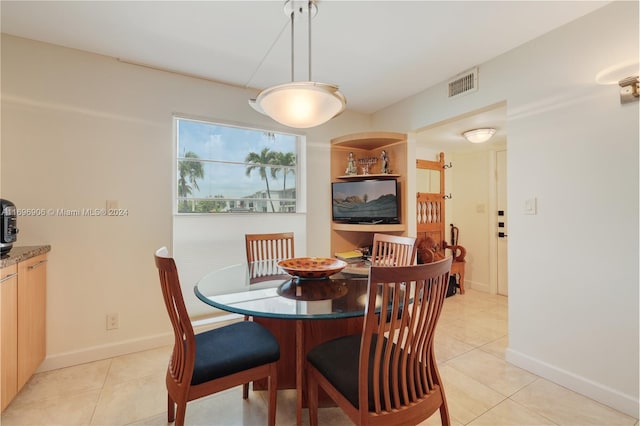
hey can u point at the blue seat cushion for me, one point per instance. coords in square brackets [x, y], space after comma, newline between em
[338, 361]
[231, 349]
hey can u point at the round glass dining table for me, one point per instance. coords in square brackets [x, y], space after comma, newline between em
[262, 289]
[301, 313]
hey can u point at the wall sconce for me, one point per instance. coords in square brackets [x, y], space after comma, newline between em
[479, 135]
[629, 89]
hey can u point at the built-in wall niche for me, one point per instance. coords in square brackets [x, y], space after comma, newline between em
[369, 146]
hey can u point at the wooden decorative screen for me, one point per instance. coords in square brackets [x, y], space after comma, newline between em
[430, 205]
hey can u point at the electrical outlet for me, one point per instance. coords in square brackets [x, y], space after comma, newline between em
[112, 321]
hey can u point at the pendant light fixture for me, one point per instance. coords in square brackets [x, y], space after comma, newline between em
[300, 104]
[479, 135]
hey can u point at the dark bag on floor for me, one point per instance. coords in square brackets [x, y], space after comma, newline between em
[453, 286]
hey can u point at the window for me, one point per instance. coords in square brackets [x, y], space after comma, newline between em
[228, 169]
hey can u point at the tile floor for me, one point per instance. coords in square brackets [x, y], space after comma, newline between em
[481, 388]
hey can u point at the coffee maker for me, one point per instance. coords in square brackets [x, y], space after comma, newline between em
[8, 226]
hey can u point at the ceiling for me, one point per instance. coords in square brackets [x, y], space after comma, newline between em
[378, 52]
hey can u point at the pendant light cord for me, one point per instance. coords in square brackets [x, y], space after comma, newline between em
[292, 36]
[284, 27]
[292, 19]
[309, 26]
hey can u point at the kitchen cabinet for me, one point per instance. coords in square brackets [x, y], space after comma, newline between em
[23, 313]
[8, 334]
[32, 292]
[369, 145]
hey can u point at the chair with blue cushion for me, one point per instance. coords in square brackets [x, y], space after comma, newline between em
[387, 375]
[215, 360]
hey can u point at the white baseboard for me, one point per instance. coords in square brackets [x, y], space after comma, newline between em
[484, 287]
[624, 403]
[96, 353]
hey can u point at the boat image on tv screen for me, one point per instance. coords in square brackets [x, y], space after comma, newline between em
[366, 201]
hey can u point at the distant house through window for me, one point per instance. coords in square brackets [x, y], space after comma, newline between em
[229, 169]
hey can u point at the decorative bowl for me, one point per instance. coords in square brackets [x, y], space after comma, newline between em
[312, 267]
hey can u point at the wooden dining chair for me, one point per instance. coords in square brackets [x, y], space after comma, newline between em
[387, 376]
[269, 246]
[215, 360]
[393, 250]
[261, 248]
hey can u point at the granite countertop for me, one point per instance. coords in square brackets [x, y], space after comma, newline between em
[19, 254]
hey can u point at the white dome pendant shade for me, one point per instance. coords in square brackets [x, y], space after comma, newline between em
[300, 104]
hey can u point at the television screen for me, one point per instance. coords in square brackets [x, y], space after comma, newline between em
[365, 201]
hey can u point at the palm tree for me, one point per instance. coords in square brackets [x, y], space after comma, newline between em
[189, 172]
[284, 159]
[261, 162]
[183, 187]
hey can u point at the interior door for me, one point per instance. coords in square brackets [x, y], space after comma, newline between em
[502, 222]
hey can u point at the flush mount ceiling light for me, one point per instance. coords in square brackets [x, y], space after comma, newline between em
[300, 104]
[479, 135]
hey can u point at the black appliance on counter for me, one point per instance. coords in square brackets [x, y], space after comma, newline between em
[8, 225]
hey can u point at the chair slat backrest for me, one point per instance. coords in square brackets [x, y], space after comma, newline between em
[183, 356]
[401, 358]
[269, 246]
[393, 250]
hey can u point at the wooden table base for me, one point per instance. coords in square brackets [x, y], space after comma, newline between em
[296, 338]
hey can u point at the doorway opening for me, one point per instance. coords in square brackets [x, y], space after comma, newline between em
[476, 182]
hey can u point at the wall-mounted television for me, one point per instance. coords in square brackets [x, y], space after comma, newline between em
[369, 201]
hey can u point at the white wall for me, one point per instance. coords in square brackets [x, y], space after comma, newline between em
[79, 129]
[573, 267]
[202, 244]
[472, 187]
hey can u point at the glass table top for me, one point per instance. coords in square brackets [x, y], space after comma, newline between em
[263, 289]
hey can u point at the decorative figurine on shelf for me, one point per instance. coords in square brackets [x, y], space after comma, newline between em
[385, 163]
[366, 163]
[351, 166]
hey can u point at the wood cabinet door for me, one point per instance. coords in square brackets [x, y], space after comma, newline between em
[32, 291]
[8, 334]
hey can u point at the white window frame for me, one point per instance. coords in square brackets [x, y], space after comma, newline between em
[300, 178]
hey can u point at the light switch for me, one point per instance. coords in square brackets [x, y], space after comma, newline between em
[530, 206]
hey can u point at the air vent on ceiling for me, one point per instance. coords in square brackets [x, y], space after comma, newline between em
[464, 83]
